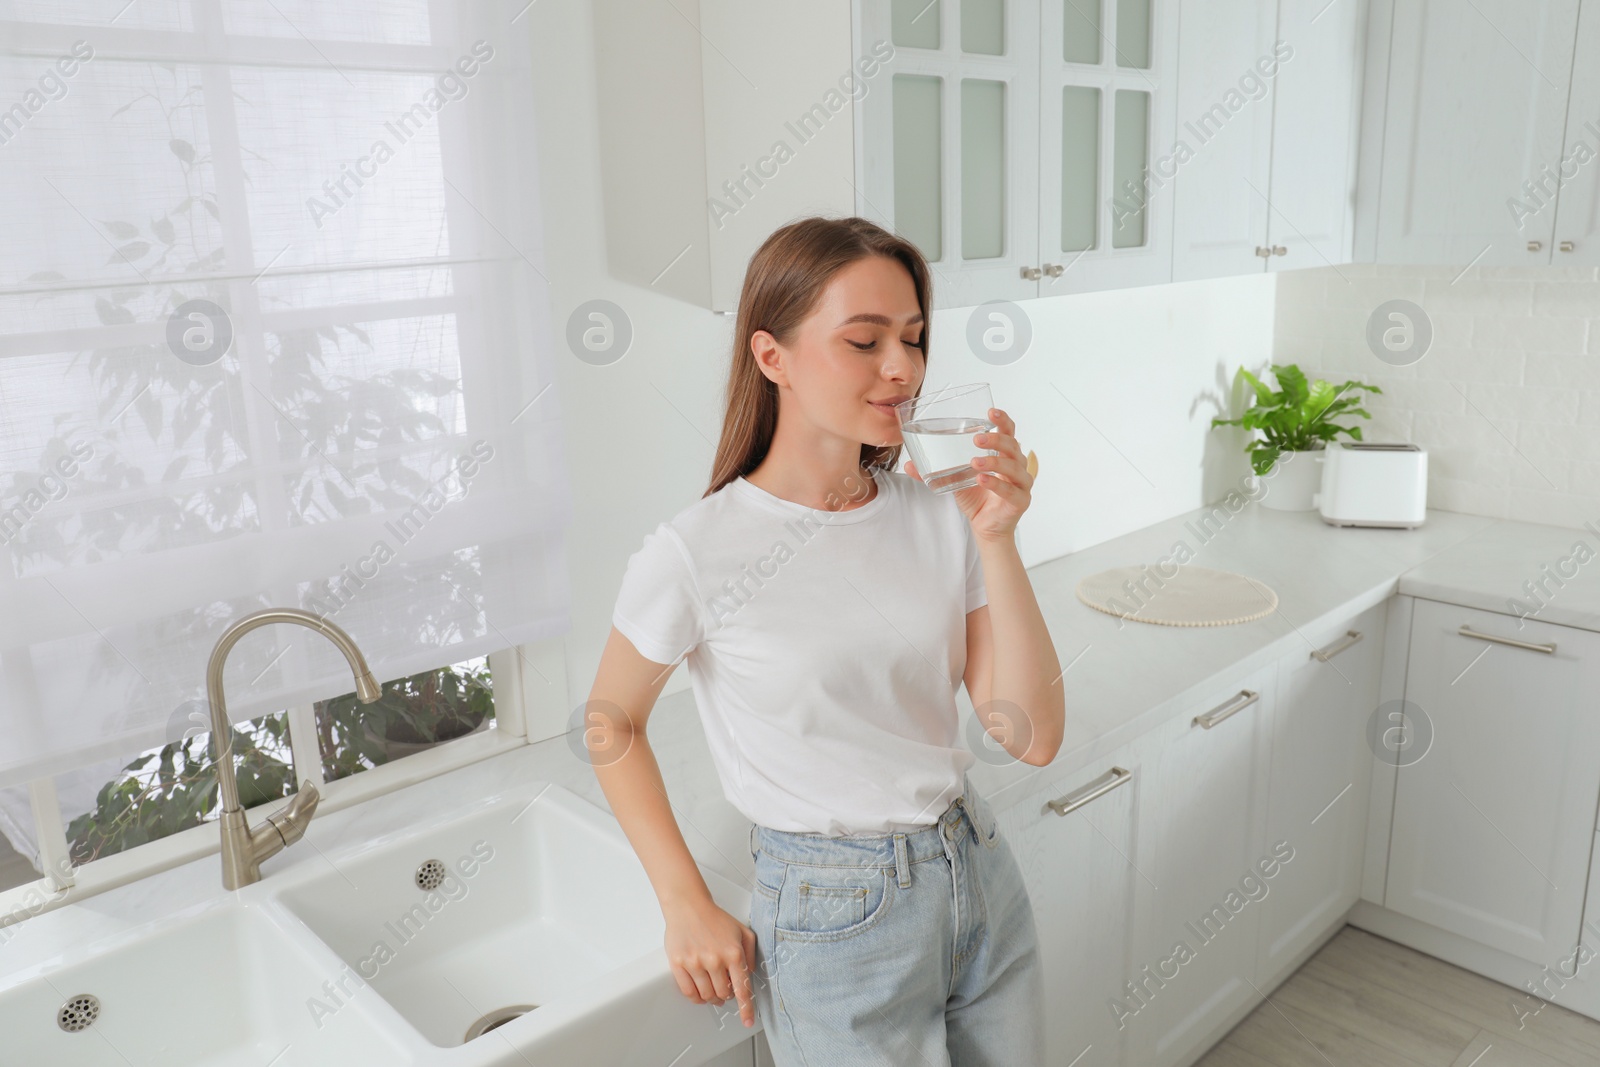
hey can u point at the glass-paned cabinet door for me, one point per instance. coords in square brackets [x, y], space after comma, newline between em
[1107, 73]
[947, 139]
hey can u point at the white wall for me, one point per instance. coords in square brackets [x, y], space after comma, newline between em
[1144, 371]
[1507, 398]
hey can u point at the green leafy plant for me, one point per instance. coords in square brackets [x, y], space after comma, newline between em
[425, 708]
[1297, 417]
[175, 787]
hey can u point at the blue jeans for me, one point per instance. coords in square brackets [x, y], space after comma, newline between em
[908, 948]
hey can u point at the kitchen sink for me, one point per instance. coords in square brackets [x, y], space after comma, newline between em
[512, 929]
[220, 987]
[523, 921]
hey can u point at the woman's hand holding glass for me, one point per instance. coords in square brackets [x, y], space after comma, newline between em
[1004, 488]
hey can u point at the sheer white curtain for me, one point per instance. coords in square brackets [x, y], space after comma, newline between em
[354, 186]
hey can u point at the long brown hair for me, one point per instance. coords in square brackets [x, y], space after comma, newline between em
[784, 282]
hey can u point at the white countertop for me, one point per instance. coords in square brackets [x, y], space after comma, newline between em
[1550, 573]
[1125, 678]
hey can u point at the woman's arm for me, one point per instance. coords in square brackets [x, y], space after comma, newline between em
[711, 952]
[1013, 675]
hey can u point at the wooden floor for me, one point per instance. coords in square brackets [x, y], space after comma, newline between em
[1364, 1001]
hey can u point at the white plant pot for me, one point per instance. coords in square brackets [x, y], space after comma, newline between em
[1295, 482]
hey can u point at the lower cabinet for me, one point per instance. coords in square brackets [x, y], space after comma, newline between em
[1073, 838]
[1190, 870]
[1235, 845]
[1321, 775]
[753, 1053]
[1202, 863]
[1494, 824]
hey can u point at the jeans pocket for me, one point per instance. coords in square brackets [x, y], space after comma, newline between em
[832, 903]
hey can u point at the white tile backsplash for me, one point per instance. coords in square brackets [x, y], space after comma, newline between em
[1507, 398]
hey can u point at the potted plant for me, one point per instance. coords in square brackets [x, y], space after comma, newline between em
[1296, 422]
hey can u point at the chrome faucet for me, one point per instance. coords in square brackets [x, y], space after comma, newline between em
[244, 848]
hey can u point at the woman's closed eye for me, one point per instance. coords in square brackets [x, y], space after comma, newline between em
[869, 346]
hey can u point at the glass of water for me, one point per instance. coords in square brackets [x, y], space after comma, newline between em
[938, 428]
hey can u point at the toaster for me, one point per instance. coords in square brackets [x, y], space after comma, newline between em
[1370, 483]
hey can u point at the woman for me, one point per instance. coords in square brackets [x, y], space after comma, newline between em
[828, 607]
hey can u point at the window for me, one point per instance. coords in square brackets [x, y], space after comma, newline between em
[273, 330]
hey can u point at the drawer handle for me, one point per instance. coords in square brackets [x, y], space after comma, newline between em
[1093, 791]
[1467, 631]
[1245, 698]
[1325, 654]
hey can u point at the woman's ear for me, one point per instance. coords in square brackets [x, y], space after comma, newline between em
[769, 357]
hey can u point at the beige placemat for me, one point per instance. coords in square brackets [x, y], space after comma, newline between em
[1194, 596]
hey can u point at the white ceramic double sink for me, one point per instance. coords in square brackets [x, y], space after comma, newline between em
[410, 948]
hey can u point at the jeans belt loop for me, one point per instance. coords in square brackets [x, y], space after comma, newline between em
[752, 840]
[901, 867]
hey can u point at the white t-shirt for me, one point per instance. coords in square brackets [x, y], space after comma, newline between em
[824, 648]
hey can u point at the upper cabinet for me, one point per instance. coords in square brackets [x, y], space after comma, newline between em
[1475, 112]
[1268, 109]
[948, 143]
[1107, 70]
[1015, 141]
[717, 122]
[1222, 187]
[1577, 237]
[1316, 112]
[1040, 147]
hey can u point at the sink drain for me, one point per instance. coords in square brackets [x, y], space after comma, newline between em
[430, 875]
[78, 1013]
[498, 1017]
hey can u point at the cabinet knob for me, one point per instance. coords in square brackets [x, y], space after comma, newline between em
[1534, 246]
[1566, 246]
[1031, 273]
[1279, 250]
[1054, 270]
[1263, 251]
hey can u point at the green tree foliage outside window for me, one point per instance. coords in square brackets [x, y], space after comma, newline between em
[423, 709]
[174, 787]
